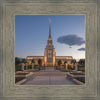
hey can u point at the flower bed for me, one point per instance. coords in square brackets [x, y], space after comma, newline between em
[82, 79]
[79, 78]
[77, 73]
[22, 73]
[17, 79]
[21, 77]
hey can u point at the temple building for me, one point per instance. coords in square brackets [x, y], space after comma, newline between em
[49, 58]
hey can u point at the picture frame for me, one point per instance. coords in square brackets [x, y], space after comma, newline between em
[9, 90]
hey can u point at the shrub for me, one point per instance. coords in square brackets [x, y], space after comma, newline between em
[70, 67]
[18, 68]
[17, 61]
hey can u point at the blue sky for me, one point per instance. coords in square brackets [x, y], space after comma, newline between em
[32, 31]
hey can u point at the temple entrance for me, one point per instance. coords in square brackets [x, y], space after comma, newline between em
[49, 64]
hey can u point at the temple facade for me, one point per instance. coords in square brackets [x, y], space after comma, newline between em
[49, 58]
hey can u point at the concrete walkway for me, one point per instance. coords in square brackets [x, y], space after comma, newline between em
[50, 77]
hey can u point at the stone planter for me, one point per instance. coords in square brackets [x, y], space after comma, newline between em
[75, 76]
[21, 82]
[27, 77]
[78, 82]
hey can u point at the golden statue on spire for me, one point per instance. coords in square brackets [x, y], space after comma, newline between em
[49, 20]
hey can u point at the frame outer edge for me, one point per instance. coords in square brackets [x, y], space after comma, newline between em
[0, 50]
[98, 49]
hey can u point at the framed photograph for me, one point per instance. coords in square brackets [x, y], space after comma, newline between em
[50, 50]
[53, 67]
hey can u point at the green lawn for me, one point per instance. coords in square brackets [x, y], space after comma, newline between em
[81, 67]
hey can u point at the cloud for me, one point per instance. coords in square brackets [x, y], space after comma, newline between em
[71, 40]
[81, 49]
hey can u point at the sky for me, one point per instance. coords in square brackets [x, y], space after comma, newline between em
[67, 31]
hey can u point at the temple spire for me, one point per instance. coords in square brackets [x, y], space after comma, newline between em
[49, 29]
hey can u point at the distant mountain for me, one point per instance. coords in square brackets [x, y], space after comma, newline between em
[20, 58]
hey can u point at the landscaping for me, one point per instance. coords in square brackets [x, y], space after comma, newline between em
[21, 77]
[22, 73]
[82, 79]
[18, 67]
[81, 68]
[17, 79]
[77, 73]
[77, 77]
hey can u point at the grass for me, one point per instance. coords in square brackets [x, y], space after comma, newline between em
[81, 67]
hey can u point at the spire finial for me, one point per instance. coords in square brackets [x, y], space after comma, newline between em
[49, 29]
[49, 20]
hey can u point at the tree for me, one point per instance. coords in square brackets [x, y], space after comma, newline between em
[17, 61]
[40, 62]
[82, 62]
[73, 61]
[24, 61]
[65, 62]
[59, 62]
[33, 61]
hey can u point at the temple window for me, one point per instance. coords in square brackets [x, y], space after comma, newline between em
[49, 56]
[49, 51]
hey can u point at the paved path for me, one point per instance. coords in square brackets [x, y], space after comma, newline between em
[50, 77]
